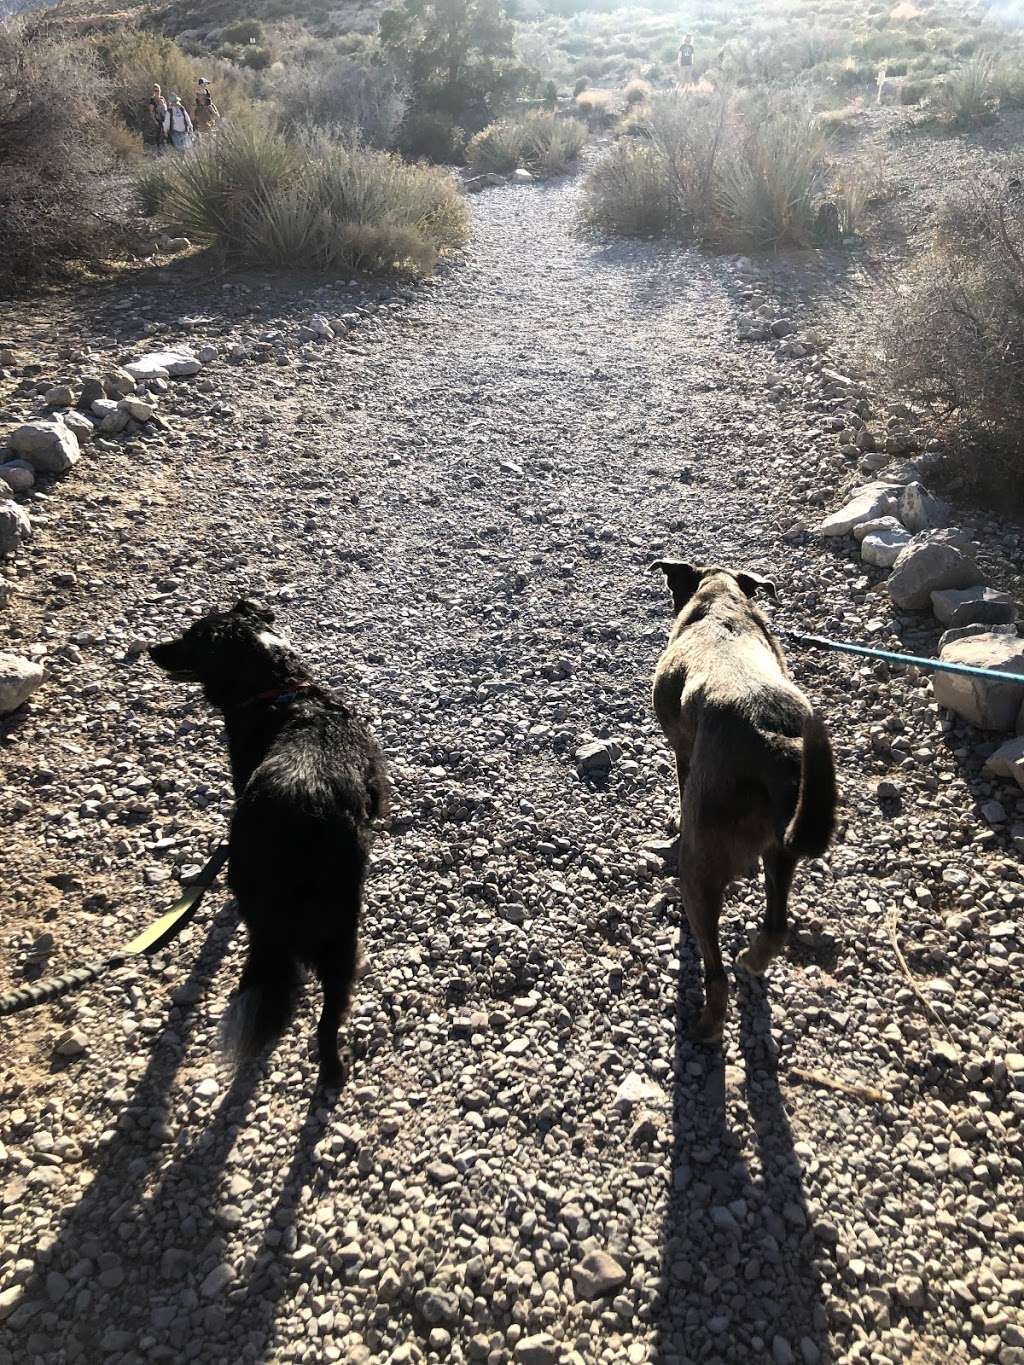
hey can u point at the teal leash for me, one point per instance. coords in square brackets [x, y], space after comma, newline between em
[902, 660]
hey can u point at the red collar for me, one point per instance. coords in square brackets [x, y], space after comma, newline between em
[276, 694]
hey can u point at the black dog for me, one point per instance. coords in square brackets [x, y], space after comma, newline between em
[308, 780]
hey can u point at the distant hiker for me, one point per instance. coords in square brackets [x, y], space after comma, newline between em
[206, 115]
[158, 118]
[178, 125]
[686, 60]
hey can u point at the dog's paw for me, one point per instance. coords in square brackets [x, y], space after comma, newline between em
[763, 949]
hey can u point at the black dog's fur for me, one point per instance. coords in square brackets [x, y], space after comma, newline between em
[308, 781]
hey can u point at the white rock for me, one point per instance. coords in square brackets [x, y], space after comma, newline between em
[49, 447]
[868, 528]
[920, 510]
[636, 1089]
[598, 1274]
[988, 703]
[208, 354]
[19, 678]
[522, 177]
[138, 409]
[1008, 761]
[869, 502]
[77, 422]
[164, 364]
[882, 548]
[922, 568]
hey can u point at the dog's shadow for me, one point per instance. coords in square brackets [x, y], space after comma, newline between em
[737, 1265]
[146, 1251]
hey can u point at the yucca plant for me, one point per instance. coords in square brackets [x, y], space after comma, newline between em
[768, 186]
[628, 193]
[967, 96]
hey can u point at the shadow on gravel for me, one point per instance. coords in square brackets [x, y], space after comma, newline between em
[107, 1254]
[738, 1284]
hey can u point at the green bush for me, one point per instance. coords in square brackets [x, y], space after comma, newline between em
[581, 84]
[55, 203]
[435, 137]
[322, 205]
[968, 95]
[738, 173]
[151, 185]
[541, 142]
[955, 339]
[628, 193]
[244, 32]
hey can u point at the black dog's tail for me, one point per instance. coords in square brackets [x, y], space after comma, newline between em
[814, 819]
[262, 1007]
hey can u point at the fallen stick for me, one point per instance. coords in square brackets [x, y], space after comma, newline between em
[890, 924]
[852, 1088]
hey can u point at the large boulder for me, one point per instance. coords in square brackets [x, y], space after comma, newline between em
[164, 365]
[49, 447]
[924, 567]
[920, 510]
[77, 422]
[19, 678]
[989, 703]
[965, 606]
[14, 526]
[871, 501]
[869, 528]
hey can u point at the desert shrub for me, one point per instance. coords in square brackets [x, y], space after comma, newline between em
[627, 193]
[955, 335]
[768, 185]
[541, 142]
[637, 92]
[367, 100]
[597, 106]
[732, 171]
[581, 84]
[317, 204]
[458, 57]
[243, 32]
[125, 145]
[53, 152]
[550, 94]
[914, 92]
[435, 137]
[968, 95]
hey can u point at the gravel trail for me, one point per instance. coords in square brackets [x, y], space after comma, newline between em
[530, 1163]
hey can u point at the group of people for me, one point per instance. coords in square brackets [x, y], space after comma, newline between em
[172, 123]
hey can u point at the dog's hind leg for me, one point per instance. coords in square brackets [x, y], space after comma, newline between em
[336, 968]
[702, 897]
[766, 945]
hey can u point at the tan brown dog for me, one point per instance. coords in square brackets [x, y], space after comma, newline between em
[755, 769]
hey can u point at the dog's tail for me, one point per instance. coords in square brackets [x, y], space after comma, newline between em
[262, 1007]
[814, 819]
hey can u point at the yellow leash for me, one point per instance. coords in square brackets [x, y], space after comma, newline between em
[160, 933]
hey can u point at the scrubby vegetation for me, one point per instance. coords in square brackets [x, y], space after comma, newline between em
[55, 143]
[955, 336]
[745, 172]
[541, 142]
[264, 200]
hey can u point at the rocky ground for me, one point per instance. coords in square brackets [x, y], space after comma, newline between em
[452, 511]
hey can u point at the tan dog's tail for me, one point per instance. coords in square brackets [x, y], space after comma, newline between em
[814, 819]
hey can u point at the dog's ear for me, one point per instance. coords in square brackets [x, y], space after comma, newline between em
[682, 579]
[244, 607]
[752, 583]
